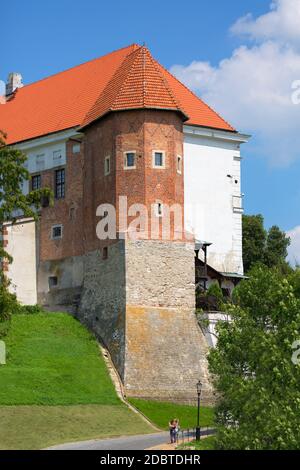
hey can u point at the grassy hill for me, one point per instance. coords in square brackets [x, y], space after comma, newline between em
[53, 360]
[55, 387]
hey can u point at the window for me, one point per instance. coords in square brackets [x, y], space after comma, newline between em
[158, 159]
[179, 164]
[107, 166]
[56, 232]
[105, 253]
[129, 160]
[57, 155]
[76, 148]
[40, 162]
[53, 281]
[36, 182]
[159, 209]
[60, 184]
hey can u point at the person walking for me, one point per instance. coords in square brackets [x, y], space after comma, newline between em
[172, 427]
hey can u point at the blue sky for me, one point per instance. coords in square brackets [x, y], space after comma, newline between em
[41, 38]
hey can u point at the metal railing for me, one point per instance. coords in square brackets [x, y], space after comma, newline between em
[187, 435]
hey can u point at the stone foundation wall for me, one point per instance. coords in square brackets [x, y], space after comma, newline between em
[66, 295]
[103, 302]
[139, 300]
[165, 348]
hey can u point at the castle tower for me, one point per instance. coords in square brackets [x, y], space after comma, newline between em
[139, 287]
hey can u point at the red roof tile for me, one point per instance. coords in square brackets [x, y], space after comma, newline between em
[125, 79]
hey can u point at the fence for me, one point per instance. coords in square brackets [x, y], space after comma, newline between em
[188, 435]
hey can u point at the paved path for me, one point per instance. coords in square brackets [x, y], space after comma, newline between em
[140, 442]
[121, 443]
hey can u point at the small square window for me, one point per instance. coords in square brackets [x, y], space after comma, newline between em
[107, 166]
[179, 164]
[57, 155]
[76, 148]
[53, 282]
[57, 232]
[36, 182]
[129, 160]
[158, 159]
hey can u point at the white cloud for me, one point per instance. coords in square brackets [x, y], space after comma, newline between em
[281, 23]
[2, 88]
[294, 248]
[252, 89]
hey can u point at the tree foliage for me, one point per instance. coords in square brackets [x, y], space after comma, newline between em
[258, 383]
[262, 246]
[13, 204]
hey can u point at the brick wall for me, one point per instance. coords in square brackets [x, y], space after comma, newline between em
[67, 211]
[141, 131]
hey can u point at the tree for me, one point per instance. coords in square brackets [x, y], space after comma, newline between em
[262, 246]
[254, 239]
[258, 383]
[276, 247]
[14, 203]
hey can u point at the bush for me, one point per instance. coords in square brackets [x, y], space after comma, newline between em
[30, 309]
[8, 305]
[212, 299]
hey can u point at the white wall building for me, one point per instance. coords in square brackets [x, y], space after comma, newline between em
[213, 197]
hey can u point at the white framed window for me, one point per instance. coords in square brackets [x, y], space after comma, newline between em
[130, 160]
[159, 209]
[56, 232]
[107, 165]
[76, 148]
[57, 155]
[179, 164]
[158, 159]
[40, 162]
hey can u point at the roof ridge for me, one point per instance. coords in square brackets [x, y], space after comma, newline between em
[109, 84]
[155, 64]
[127, 75]
[196, 96]
[133, 45]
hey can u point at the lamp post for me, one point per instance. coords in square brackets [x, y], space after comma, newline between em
[199, 389]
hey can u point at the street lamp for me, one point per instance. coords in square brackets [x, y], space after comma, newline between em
[199, 389]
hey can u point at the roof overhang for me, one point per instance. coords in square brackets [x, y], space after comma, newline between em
[216, 134]
[48, 139]
[144, 108]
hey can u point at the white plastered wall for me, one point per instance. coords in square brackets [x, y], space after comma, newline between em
[22, 272]
[213, 198]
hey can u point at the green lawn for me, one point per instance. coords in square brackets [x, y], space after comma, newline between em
[37, 427]
[160, 413]
[208, 443]
[53, 360]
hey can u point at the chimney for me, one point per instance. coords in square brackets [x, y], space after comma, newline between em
[14, 81]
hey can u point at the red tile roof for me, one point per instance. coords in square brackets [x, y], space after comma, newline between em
[125, 79]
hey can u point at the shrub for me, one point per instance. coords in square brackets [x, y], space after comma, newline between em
[30, 309]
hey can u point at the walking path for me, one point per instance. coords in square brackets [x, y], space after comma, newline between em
[141, 442]
[158, 441]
